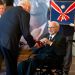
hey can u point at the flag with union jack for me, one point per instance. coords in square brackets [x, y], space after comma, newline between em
[62, 11]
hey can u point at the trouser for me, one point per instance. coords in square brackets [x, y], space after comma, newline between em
[1, 59]
[23, 67]
[10, 57]
[28, 67]
[68, 56]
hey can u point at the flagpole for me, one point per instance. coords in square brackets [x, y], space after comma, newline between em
[74, 23]
[50, 9]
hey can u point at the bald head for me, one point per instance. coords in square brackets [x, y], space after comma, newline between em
[53, 27]
[53, 23]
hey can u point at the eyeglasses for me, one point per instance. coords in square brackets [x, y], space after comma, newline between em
[51, 27]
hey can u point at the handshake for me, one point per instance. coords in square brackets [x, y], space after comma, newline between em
[43, 42]
[38, 44]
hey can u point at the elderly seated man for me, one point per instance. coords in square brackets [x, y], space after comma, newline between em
[51, 50]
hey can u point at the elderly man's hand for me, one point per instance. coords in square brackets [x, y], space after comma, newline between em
[46, 41]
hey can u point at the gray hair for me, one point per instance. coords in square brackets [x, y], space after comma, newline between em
[57, 24]
[21, 2]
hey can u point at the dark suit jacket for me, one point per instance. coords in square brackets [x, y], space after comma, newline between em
[58, 47]
[67, 30]
[13, 24]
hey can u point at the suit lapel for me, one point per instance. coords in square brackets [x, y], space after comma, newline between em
[57, 37]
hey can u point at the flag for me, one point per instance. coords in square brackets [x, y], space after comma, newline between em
[62, 11]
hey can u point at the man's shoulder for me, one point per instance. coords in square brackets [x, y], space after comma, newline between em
[11, 10]
[45, 35]
[59, 35]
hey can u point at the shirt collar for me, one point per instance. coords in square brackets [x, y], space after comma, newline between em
[52, 35]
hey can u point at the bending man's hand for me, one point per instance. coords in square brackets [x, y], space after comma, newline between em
[38, 44]
[46, 41]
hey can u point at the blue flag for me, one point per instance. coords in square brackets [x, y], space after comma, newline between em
[62, 11]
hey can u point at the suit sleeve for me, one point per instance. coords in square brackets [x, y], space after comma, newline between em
[60, 46]
[25, 26]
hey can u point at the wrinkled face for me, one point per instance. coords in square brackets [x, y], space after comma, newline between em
[2, 9]
[53, 28]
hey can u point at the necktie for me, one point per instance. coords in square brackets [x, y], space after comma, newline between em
[50, 38]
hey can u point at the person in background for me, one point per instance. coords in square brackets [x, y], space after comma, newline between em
[9, 2]
[2, 7]
[52, 51]
[13, 24]
[2, 10]
[68, 32]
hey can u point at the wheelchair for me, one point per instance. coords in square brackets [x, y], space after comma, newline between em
[52, 66]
